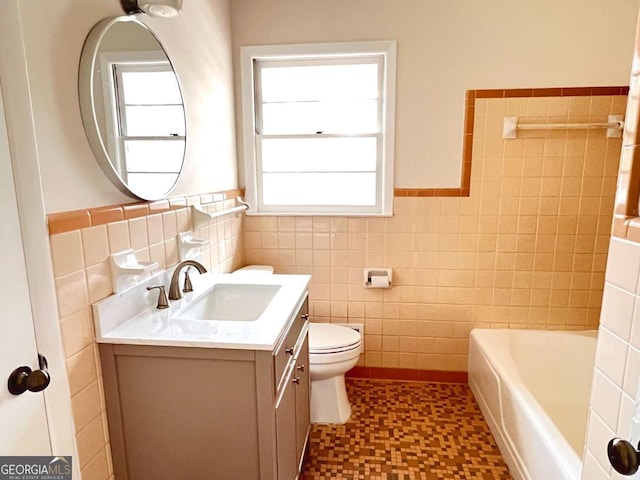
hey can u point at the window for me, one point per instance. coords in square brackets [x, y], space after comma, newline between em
[145, 119]
[318, 128]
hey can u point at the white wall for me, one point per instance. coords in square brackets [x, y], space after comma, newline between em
[617, 372]
[448, 47]
[199, 44]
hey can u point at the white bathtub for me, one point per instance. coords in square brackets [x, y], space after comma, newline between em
[533, 388]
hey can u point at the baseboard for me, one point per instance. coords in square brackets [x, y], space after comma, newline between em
[384, 373]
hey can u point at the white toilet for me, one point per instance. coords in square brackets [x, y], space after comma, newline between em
[255, 270]
[333, 350]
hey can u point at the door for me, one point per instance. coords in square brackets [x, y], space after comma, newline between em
[23, 420]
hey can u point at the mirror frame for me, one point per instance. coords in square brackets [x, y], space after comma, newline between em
[86, 92]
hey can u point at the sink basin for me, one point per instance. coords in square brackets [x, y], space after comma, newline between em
[231, 302]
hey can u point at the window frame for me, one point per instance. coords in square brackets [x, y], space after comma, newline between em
[112, 65]
[315, 54]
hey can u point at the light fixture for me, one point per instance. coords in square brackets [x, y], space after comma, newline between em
[154, 8]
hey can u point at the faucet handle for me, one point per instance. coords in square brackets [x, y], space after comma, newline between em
[188, 286]
[162, 297]
[174, 289]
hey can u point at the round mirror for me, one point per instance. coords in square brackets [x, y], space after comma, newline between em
[132, 108]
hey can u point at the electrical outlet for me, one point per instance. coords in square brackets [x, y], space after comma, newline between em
[358, 327]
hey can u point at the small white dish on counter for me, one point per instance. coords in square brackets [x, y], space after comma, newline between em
[223, 311]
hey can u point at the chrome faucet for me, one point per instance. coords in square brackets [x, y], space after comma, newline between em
[174, 288]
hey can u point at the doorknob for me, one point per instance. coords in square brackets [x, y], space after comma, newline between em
[23, 378]
[623, 456]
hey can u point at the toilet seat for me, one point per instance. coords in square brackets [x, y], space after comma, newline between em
[325, 338]
[318, 359]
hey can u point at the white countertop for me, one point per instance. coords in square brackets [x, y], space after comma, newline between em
[131, 317]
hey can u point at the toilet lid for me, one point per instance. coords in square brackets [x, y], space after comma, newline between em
[327, 338]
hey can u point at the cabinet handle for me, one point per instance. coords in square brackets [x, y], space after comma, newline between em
[288, 350]
[296, 380]
[300, 368]
[304, 316]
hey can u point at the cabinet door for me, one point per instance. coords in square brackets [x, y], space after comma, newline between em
[302, 399]
[286, 429]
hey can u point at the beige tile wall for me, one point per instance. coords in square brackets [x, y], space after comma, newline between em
[527, 249]
[83, 276]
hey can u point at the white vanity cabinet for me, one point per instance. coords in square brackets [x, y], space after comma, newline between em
[209, 413]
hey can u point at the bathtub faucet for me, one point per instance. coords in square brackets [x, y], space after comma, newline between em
[174, 288]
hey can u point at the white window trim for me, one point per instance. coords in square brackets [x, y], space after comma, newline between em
[299, 51]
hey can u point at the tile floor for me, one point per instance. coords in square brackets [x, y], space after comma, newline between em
[406, 431]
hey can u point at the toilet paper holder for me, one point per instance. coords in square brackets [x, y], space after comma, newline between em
[377, 277]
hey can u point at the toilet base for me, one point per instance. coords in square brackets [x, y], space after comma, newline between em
[329, 401]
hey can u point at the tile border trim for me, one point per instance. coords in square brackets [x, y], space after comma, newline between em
[469, 112]
[78, 219]
[408, 374]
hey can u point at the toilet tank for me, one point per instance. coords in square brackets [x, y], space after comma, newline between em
[255, 270]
